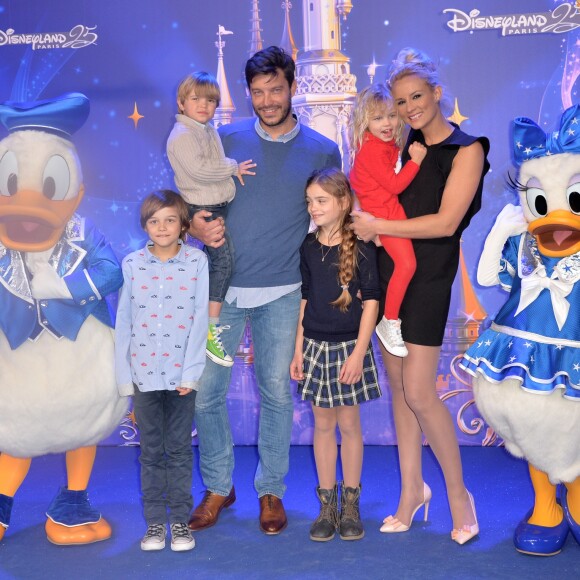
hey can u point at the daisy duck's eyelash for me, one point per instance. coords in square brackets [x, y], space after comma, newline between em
[515, 185]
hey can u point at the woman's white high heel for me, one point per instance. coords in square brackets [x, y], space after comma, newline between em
[466, 532]
[392, 525]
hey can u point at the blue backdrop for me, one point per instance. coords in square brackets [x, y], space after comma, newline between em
[130, 55]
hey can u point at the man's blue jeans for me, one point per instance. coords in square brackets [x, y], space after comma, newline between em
[165, 420]
[273, 327]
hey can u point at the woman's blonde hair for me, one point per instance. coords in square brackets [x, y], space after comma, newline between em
[367, 102]
[334, 182]
[411, 61]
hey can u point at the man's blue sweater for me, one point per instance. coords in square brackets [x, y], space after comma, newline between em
[267, 219]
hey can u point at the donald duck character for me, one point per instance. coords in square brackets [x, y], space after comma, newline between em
[57, 380]
[526, 366]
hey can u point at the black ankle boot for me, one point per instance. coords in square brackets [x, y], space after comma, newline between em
[350, 527]
[325, 525]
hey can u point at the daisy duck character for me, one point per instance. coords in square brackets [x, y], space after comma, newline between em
[526, 366]
[57, 380]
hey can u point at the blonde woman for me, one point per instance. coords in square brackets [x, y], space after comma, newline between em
[439, 204]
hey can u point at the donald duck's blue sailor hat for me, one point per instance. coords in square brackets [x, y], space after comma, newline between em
[60, 116]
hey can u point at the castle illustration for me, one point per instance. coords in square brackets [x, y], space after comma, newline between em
[325, 95]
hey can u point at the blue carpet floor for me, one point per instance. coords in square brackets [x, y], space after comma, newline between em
[235, 548]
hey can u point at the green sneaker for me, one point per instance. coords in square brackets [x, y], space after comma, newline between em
[214, 348]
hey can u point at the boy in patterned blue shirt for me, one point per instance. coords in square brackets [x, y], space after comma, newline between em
[161, 331]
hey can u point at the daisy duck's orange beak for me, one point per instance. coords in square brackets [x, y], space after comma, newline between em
[557, 234]
[30, 222]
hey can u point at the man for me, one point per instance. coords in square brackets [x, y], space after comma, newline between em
[267, 222]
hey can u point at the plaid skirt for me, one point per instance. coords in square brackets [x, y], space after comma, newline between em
[322, 363]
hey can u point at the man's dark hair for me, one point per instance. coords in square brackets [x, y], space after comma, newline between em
[268, 61]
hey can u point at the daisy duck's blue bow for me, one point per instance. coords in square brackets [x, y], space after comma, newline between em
[530, 141]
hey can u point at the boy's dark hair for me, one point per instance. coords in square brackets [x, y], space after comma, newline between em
[165, 198]
[267, 62]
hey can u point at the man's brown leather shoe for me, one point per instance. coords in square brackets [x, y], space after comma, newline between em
[272, 515]
[205, 515]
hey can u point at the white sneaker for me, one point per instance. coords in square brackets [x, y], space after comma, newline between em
[181, 538]
[389, 333]
[154, 538]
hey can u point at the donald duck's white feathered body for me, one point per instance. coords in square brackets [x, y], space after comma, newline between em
[57, 394]
[526, 366]
[58, 387]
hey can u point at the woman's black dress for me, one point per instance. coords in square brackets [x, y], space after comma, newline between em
[426, 304]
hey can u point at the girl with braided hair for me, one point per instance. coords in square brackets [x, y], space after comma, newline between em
[333, 361]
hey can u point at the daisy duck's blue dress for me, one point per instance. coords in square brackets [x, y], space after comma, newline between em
[535, 331]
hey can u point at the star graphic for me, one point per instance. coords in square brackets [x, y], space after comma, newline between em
[567, 268]
[532, 359]
[571, 132]
[456, 116]
[512, 358]
[479, 343]
[469, 317]
[372, 69]
[487, 342]
[518, 145]
[528, 344]
[510, 343]
[135, 116]
[574, 121]
[559, 346]
[576, 367]
[527, 150]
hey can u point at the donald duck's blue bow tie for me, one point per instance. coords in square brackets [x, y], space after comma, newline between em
[530, 141]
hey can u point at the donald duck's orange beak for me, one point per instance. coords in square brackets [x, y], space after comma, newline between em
[557, 234]
[30, 222]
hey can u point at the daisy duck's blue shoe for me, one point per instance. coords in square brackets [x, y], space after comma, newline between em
[574, 526]
[540, 540]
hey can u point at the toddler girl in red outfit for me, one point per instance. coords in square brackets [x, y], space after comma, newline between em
[376, 133]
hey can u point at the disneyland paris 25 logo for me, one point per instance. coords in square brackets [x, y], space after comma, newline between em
[78, 36]
[563, 18]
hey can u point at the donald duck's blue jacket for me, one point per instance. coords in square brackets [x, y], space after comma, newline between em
[88, 266]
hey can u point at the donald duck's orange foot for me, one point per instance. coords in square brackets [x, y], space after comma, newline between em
[77, 535]
[72, 520]
[2, 532]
